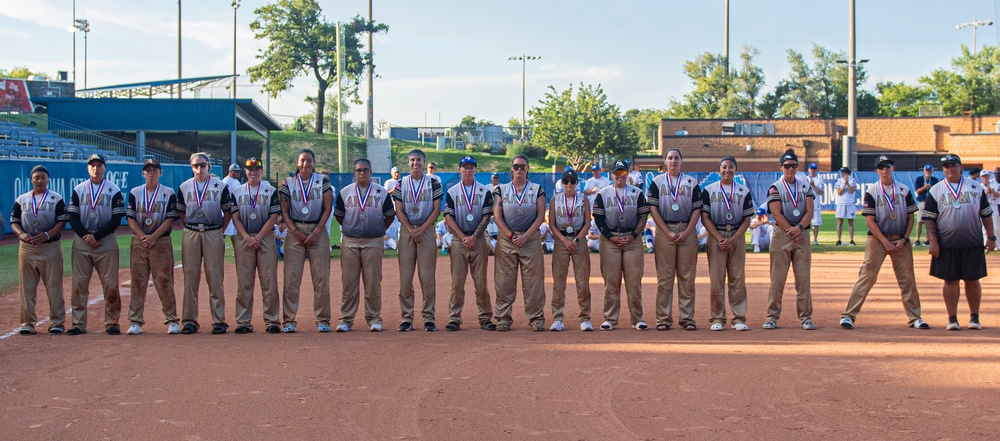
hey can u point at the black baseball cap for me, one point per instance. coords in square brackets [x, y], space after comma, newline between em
[151, 163]
[569, 173]
[98, 157]
[620, 164]
[254, 162]
[883, 159]
[789, 156]
[975, 171]
[845, 170]
[951, 158]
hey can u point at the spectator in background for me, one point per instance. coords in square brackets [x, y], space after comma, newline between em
[548, 242]
[443, 237]
[991, 196]
[761, 229]
[846, 188]
[649, 234]
[594, 238]
[974, 173]
[994, 198]
[635, 176]
[232, 180]
[494, 183]
[280, 231]
[595, 183]
[921, 186]
[431, 167]
[391, 234]
[702, 236]
[817, 185]
[390, 184]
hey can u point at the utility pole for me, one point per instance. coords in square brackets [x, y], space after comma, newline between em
[236, 5]
[180, 87]
[371, 112]
[974, 24]
[340, 112]
[523, 59]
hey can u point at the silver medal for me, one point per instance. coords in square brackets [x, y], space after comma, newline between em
[675, 207]
[519, 211]
[569, 229]
[956, 204]
[469, 217]
[729, 216]
[94, 215]
[34, 223]
[415, 210]
[305, 210]
[253, 216]
[893, 216]
[148, 221]
[621, 220]
[199, 213]
[362, 216]
[796, 212]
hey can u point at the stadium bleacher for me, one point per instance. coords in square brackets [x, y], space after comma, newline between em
[18, 141]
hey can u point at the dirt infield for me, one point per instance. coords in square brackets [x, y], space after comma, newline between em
[881, 380]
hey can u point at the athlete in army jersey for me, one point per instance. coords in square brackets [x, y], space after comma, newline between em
[790, 201]
[418, 203]
[569, 213]
[255, 209]
[727, 207]
[888, 210]
[95, 210]
[38, 219]
[364, 211]
[518, 211]
[950, 213]
[152, 208]
[306, 204]
[467, 213]
[620, 212]
[204, 205]
[675, 206]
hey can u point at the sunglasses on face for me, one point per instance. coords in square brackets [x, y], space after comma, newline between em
[519, 166]
[620, 174]
[789, 166]
[200, 165]
[883, 166]
[362, 170]
[569, 181]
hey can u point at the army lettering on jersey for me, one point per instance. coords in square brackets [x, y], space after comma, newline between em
[215, 201]
[790, 205]
[39, 213]
[565, 206]
[254, 205]
[714, 200]
[96, 209]
[958, 227]
[518, 216]
[457, 205]
[660, 196]
[614, 218]
[370, 222]
[315, 187]
[418, 197]
[891, 218]
[151, 209]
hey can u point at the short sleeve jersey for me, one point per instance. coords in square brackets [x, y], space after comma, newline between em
[468, 205]
[363, 210]
[254, 205]
[203, 203]
[621, 208]
[890, 206]
[418, 197]
[597, 183]
[39, 213]
[569, 212]
[727, 204]
[665, 193]
[847, 197]
[517, 205]
[957, 220]
[151, 208]
[305, 196]
[818, 182]
[96, 204]
[793, 198]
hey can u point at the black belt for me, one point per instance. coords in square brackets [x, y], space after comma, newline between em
[727, 227]
[567, 233]
[305, 222]
[676, 223]
[202, 227]
[469, 233]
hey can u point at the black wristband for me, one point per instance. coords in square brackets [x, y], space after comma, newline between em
[993, 238]
[906, 240]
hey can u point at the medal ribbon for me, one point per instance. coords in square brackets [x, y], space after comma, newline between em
[305, 190]
[524, 191]
[150, 200]
[363, 201]
[891, 202]
[199, 195]
[793, 194]
[954, 192]
[253, 198]
[673, 188]
[618, 199]
[94, 196]
[728, 199]
[35, 205]
[469, 196]
[569, 212]
[415, 191]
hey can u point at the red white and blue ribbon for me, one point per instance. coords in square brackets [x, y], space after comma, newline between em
[890, 201]
[415, 190]
[570, 209]
[524, 191]
[305, 189]
[363, 201]
[253, 197]
[955, 193]
[199, 195]
[673, 187]
[469, 196]
[728, 199]
[151, 200]
[94, 196]
[792, 194]
[621, 204]
[35, 205]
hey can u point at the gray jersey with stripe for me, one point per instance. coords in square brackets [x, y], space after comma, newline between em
[877, 204]
[427, 191]
[164, 206]
[518, 217]
[315, 187]
[265, 203]
[624, 217]
[51, 210]
[688, 200]
[103, 207]
[215, 203]
[957, 227]
[777, 192]
[457, 207]
[576, 207]
[714, 203]
[377, 207]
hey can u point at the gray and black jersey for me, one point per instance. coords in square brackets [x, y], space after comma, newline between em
[254, 205]
[96, 209]
[618, 210]
[674, 199]
[418, 196]
[794, 199]
[518, 204]
[151, 208]
[39, 213]
[890, 205]
[569, 212]
[363, 210]
[305, 196]
[958, 220]
[727, 204]
[468, 205]
[203, 202]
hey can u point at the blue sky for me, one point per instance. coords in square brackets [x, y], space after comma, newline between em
[450, 57]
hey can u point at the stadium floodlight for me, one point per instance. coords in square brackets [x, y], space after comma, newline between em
[83, 26]
[523, 59]
[235, 5]
[974, 24]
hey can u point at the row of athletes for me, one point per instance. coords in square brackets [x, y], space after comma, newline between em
[365, 209]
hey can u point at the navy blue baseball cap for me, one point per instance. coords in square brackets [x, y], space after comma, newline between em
[467, 160]
[928, 167]
[761, 211]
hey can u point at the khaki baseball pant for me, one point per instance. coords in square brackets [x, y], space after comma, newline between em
[296, 254]
[617, 263]
[784, 253]
[561, 258]
[157, 262]
[678, 261]
[361, 259]
[105, 260]
[203, 248]
[41, 263]
[508, 262]
[419, 258]
[464, 261]
[732, 265]
[263, 263]
[902, 265]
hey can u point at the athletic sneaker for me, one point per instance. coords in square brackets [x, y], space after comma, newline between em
[27, 330]
[839, 243]
[853, 244]
[288, 329]
[343, 327]
[953, 326]
[135, 329]
[173, 328]
[430, 327]
[717, 327]
[488, 326]
[846, 323]
[808, 325]
[641, 326]
[405, 327]
[770, 324]
[376, 327]
[57, 329]
[586, 326]
[113, 330]
[607, 326]
[756, 248]
[273, 329]
[920, 324]
[741, 326]
[974, 322]
[323, 327]
[556, 326]
[538, 326]
[815, 242]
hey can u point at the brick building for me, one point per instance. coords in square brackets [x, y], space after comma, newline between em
[757, 143]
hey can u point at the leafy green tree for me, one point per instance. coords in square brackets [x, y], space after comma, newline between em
[580, 126]
[513, 128]
[22, 72]
[718, 93]
[645, 123]
[820, 89]
[302, 42]
[970, 85]
[901, 99]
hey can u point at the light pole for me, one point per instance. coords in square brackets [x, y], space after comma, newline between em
[73, 30]
[83, 26]
[180, 86]
[974, 24]
[523, 59]
[236, 5]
